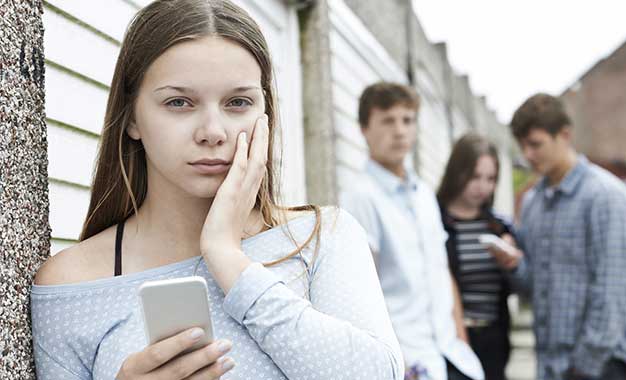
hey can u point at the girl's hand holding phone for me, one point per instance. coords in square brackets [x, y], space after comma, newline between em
[503, 250]
[220, 241]
[162, 360]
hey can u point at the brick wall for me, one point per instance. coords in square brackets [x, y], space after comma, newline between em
[597, 104]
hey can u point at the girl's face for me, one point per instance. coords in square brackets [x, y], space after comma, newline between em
[193, 102]
[482, 184]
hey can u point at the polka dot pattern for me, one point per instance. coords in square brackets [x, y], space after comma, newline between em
[301, 319]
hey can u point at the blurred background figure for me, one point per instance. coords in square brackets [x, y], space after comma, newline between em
[573, 233]
[466, 199]
[400, 215]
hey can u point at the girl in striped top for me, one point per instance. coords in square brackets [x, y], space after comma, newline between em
[466, 196]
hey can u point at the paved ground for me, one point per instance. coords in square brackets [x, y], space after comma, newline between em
[522, 363]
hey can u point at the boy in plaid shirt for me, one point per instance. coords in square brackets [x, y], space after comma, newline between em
[573, 234]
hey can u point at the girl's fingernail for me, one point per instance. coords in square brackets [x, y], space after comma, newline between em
[226, 363]
[244, 136]
[196, 333]
[224, 345]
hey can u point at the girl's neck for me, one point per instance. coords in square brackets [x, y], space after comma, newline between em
[182, 218]
[462, 210]
[168, 225]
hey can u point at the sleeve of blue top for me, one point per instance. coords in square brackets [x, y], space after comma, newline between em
[344, 328]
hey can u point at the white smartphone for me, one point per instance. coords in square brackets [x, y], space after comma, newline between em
[172, 306]
[494, 241]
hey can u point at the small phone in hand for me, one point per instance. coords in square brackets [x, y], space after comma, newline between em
[496, 242]
[171, 306]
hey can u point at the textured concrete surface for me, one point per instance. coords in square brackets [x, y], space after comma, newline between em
[24, 230]
[319, 128]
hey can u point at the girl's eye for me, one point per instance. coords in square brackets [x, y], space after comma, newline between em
[177, 103]
[239, 103]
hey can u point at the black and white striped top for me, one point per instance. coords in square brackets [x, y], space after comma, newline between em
[480, 278]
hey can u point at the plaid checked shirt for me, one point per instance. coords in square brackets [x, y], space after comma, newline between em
[574, 239]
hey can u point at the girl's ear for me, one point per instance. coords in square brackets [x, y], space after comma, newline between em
[133, 131]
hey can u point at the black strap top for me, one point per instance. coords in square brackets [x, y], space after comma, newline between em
[118, 249]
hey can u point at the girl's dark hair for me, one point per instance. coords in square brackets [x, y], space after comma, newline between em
[461, 167]
[120, 181]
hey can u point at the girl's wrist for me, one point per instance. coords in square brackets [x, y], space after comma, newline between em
[215, 250]
[226, 266]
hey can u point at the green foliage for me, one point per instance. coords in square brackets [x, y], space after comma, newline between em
[521, 178]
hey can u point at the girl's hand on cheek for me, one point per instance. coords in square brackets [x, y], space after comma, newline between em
[220, 241]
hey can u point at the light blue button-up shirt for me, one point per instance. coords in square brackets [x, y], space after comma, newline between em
[403, 224]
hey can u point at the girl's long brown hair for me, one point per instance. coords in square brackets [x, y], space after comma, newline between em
[120, 179]
[461, 167]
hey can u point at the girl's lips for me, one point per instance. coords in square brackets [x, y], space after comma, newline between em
[211, 169]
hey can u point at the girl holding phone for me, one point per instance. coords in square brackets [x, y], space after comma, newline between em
[185, 183]
[466, 197]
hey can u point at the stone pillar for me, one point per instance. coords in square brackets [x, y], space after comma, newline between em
[24, 228]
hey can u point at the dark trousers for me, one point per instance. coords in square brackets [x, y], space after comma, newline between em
[454, 373]
[492, 346]
[614, 370]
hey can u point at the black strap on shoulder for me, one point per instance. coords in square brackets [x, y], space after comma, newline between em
[118, 249]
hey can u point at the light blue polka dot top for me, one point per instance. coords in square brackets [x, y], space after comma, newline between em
[306, 318]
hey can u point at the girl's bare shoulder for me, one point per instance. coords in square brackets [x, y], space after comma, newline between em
[88, 260]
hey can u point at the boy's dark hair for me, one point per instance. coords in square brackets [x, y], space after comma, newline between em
[540, 111]
[385, 95]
